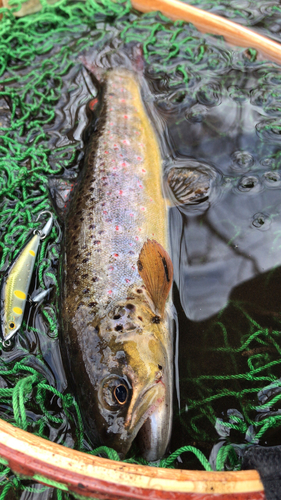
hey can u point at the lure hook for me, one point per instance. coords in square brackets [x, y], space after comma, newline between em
[45, 231]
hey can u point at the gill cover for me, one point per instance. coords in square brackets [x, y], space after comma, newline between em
[15, 284]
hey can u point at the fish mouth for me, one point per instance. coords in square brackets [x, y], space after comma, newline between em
[149, 421]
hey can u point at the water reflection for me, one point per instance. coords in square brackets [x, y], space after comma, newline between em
[236, 235]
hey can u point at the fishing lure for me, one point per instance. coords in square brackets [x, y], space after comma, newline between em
[16, 282]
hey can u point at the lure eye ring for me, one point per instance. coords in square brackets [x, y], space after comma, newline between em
[12, 325]
[117, 397]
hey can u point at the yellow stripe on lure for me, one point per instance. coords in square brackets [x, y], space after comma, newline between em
[15, 284]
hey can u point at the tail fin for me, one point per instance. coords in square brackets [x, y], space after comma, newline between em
[98, 63]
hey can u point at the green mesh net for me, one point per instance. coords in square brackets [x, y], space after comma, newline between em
[38, 57]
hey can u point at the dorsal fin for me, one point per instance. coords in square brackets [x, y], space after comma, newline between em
[156, 269]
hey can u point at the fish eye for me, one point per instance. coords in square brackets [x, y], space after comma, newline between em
[114, 392]
[121, 394]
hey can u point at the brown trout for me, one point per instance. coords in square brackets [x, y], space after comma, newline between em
[117, 276]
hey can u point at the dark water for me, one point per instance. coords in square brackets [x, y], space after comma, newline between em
[223, 119]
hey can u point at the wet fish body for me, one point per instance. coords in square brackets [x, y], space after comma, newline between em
[116, 278]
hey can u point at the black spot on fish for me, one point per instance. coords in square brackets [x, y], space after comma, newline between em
[117, 316]
[84, 247]
[95, 278]
[92, 304]
[139, 290]
[77, 256]
[92, 226]
[140, 318]
[85, 260]
[140, 267]
[101, 232]
[85, 276]
[131, 252]
[81, 218]
[76, 227]
[131, 307]
[96, 242]
[86, 290]
[156, 319]
[160, 367]
[77, 269]
[118, 328]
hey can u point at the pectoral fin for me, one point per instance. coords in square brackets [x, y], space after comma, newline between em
[156, 269]
[61, 191]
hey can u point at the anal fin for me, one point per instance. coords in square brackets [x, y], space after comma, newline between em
[156, 270]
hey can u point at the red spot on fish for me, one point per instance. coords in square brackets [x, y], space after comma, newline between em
[133, 267]
[137, 238]
[116, 255]
[110, 109]
[125, 116]
[143, 170]
[123, 100]
[139, 228]
[121, 156]
[138, 158]
[125, 142]
[105, 212]
[143, 208]
[110, 268]
[124, 164]
[92, 104]
[132, 215]
[111, 123]
[109, 291]
[114, 168]
[106, 152]
[115, 146]
[120, 192]
[140, 186]
[141, 145]
[127, 281]
[117, 228]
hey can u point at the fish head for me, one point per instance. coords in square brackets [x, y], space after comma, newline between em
[134, 397]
